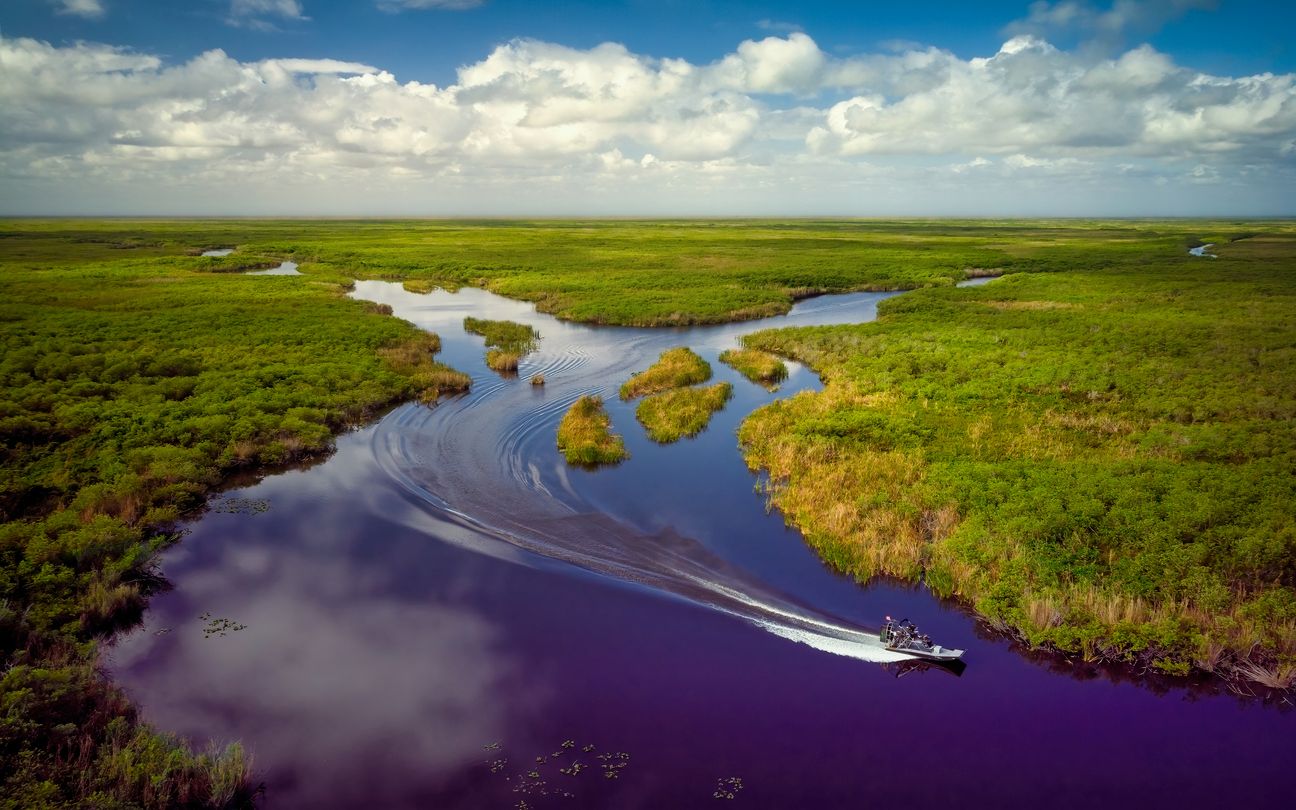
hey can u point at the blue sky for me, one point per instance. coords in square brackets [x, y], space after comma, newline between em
[1062, 107]
[1242, 36]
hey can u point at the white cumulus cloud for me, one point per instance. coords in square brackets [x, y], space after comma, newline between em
[776, 122]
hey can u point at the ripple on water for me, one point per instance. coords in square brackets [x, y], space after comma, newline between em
[490, 454]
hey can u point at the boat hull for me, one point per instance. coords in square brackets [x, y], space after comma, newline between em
[937, 653]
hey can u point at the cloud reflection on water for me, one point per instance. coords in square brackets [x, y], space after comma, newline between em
[341, 665]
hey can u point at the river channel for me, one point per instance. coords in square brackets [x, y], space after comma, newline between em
[444, 614]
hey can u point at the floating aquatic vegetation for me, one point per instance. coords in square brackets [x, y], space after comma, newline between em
[536, 780]
[728, 787]
[218, 625]
[240, 506]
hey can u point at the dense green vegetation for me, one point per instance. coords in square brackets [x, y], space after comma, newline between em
[672, 415]
[133, 383]
[1103, 460]
[506, 341]
[674, 368]
[761, 368]
[585, 436]
[613, 272]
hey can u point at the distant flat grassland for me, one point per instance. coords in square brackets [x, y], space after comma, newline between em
[623, 272]
[1103, 460]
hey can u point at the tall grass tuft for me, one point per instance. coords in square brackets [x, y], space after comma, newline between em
[501, 360]
[671, 415]
[507, 342]
[585, 437]
[760, 367]
[153, 770]
[1280, 676]
[413, 358]
[675, 368]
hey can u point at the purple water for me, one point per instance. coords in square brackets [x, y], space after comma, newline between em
[443, 601]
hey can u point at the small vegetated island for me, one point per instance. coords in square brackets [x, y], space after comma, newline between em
[1097, 452]
[507, 342]
[672, 415]
[674, 368]
[675, 407]
[761, 368]
[585, 436]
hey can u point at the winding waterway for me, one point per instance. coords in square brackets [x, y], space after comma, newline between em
[444, 614]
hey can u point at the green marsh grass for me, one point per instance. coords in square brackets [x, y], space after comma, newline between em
[412, 359]
[507, 342]
[672, 415]
[636, 273]
[585, 437]
[420, 286]
[1096, 451]
[674, 368]
[517, 337]
[1101, 461]
[133, 384]
[760, 367]
[502, 361]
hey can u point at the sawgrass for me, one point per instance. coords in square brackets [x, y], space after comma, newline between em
[761, 368]
[585, 437]
[133, 384]
[672, 415]
[674, 368]
[1098, 456]
[1101, 461]
[507, 342]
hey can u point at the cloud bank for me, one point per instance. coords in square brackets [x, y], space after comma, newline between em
[776, 126]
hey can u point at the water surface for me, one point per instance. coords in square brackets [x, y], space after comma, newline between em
[444, 603]
[284, 269]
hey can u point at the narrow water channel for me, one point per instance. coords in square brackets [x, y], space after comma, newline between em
[444, 614]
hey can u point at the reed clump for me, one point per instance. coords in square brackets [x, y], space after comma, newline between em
[537, 379]
[585, 437]
[503, 361]
[675, 368]
[413, 358]
[420, 286]
[672, 415]
[507, 342]
[760, 367]
[504, 334]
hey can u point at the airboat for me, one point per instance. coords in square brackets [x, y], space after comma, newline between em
[903, 636]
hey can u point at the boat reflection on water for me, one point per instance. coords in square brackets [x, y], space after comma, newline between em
[899, 669]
